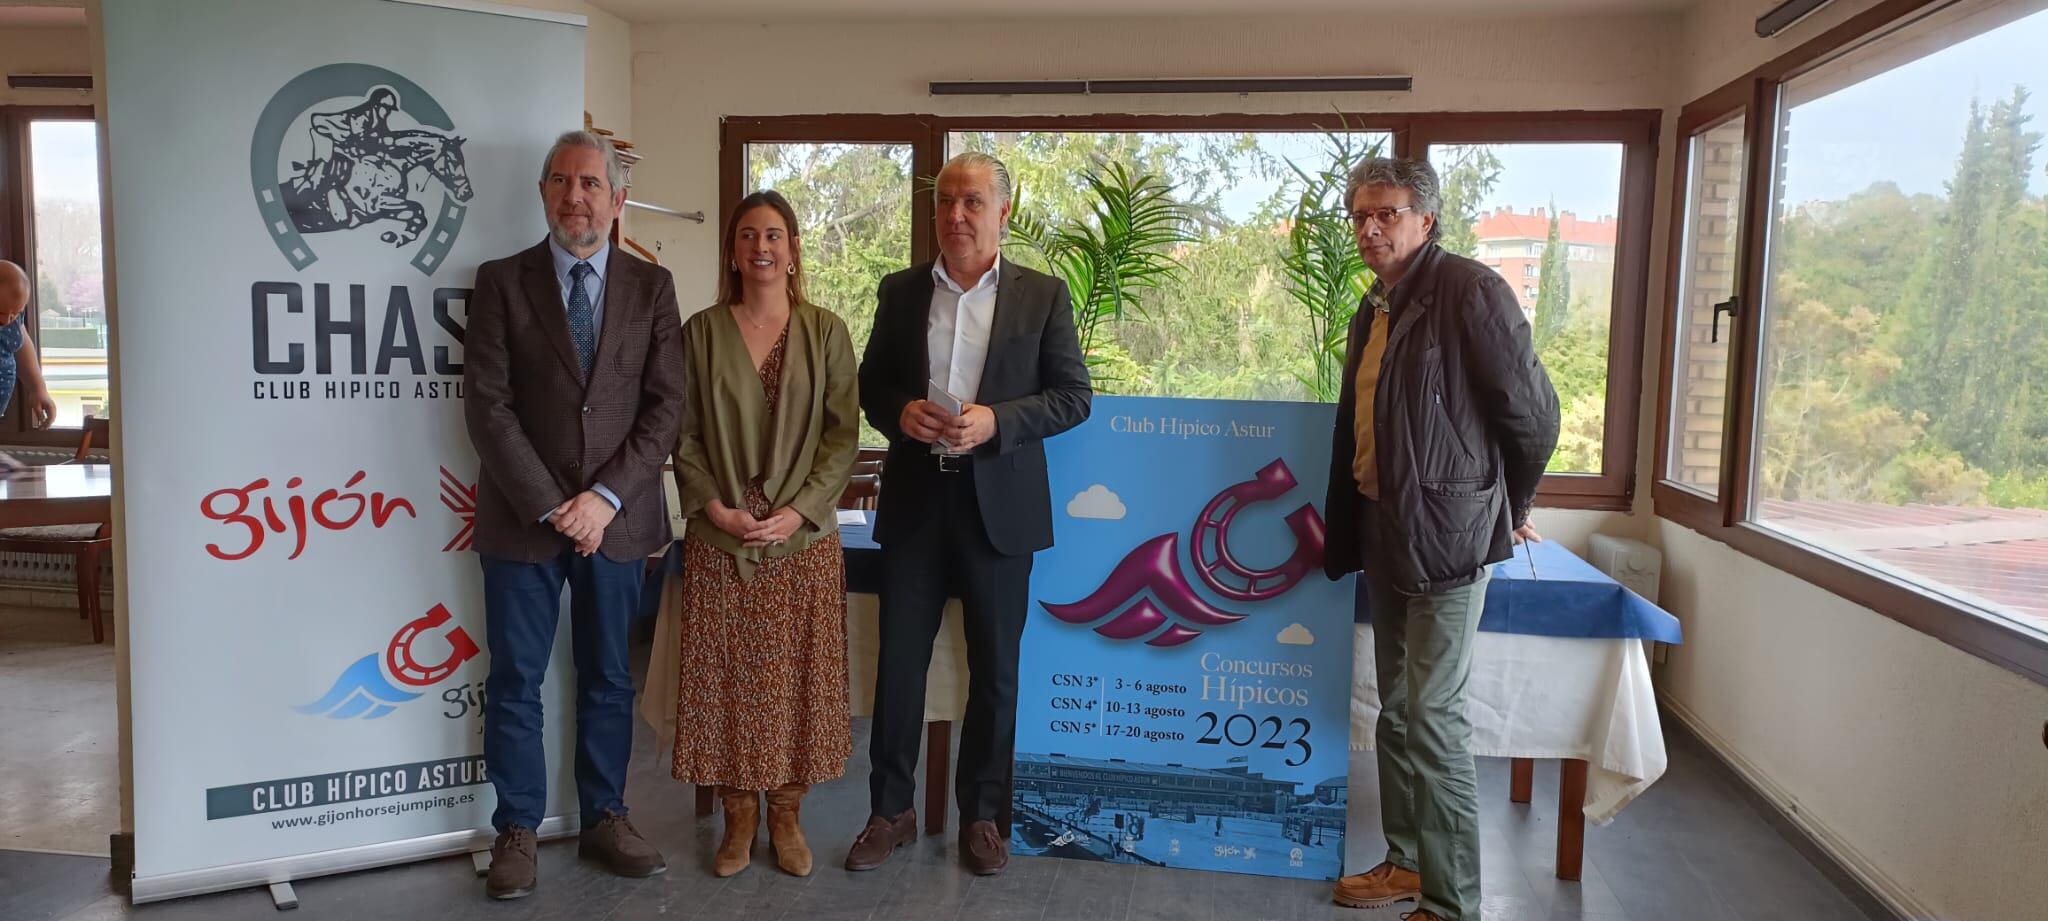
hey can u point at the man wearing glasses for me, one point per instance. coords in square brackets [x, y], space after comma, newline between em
[1444, 424]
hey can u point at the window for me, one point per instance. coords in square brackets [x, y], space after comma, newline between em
[1560, 196]
[1902, 410]
[853, 210]
[52, 156]
[1707, 279]
[1223, 321]
[1873, 417]
[70, 299]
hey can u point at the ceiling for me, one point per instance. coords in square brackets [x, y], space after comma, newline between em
[854, 10]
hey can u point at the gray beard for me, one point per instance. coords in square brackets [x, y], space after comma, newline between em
[578, 241]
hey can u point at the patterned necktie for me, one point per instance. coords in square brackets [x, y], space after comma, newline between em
[581, 329]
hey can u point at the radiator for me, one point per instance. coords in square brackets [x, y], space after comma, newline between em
[44, 456]
[48, 571]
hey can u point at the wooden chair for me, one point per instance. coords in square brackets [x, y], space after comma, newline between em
[84, 543]
[861, 492]
[864, 490]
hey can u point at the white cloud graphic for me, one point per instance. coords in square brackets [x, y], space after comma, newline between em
[1096, 502]
[1296, 635]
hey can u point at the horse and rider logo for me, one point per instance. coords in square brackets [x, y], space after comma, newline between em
[351, 167]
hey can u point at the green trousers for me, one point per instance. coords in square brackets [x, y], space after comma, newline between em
[1429, 808]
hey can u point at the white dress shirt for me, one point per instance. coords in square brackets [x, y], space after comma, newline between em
[957, 330]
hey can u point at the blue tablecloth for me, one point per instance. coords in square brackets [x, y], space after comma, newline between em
[1545, 590]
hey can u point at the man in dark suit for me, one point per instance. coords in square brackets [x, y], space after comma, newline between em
[965, 501]
[573, 378]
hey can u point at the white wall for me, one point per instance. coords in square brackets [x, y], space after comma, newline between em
[52, 50]
[607, 64]
[1919, 764]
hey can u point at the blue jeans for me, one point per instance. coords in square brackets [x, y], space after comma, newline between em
[521, 607]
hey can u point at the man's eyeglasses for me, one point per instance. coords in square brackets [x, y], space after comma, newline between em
[1386, 217]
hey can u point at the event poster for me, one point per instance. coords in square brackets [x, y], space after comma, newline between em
[1184, 691]
[304, 190]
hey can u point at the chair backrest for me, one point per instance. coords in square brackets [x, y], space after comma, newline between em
[94, 433]
[862, 491]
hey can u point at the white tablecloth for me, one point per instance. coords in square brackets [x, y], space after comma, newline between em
[1549, 697]
[1529, 697]
[945, 683]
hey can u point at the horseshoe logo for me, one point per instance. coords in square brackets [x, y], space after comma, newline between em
[1147, 584]
[1220, 569]
[398, 656]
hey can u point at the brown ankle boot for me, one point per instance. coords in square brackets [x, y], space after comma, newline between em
[742, 817]
[792, 853]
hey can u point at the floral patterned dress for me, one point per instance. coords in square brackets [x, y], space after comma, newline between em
[762, 699]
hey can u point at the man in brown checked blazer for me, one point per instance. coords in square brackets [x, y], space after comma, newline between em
[573, 385]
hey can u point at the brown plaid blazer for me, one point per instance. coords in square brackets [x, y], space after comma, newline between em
[542, 434]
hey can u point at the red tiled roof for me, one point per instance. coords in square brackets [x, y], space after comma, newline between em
[1504, 224]
[1997, 555]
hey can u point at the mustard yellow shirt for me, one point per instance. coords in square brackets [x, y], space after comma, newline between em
[1365, 464]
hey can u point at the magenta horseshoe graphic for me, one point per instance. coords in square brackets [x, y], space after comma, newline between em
[1147, 584]
[1220, 569]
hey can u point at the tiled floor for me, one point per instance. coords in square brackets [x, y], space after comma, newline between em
[1691, 849]
[59, 751]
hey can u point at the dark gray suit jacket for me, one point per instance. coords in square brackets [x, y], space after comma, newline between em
[1035, 381]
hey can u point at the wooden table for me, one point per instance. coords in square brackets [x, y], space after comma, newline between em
[63, 494]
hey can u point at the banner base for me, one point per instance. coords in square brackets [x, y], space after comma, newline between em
[326, 863]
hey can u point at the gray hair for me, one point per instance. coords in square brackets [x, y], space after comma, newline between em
[987, 161]
[614, 172]
[1417, 176]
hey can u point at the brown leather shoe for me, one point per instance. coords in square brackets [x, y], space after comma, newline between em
[514, 867]
[983, 849]
[742, 824]
[617, 845]
[1379, 887]
[785, 835]
[880, 839]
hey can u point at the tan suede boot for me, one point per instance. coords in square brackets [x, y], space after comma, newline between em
[742, 818]
[792, 852]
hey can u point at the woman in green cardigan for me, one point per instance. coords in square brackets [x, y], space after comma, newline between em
[769, 434]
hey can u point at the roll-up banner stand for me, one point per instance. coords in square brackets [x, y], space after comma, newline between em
[304, 190]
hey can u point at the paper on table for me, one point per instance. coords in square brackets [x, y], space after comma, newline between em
[947, 403]
[852, 516]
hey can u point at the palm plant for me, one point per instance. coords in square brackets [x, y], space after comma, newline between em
[1123, 247]
[1324, 272]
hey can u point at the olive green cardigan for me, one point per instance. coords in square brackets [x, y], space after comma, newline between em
[804, 455]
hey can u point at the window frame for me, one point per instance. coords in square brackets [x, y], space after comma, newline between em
[1727, 518]
[1613, 489]
[17, 241]
[1636, 129]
